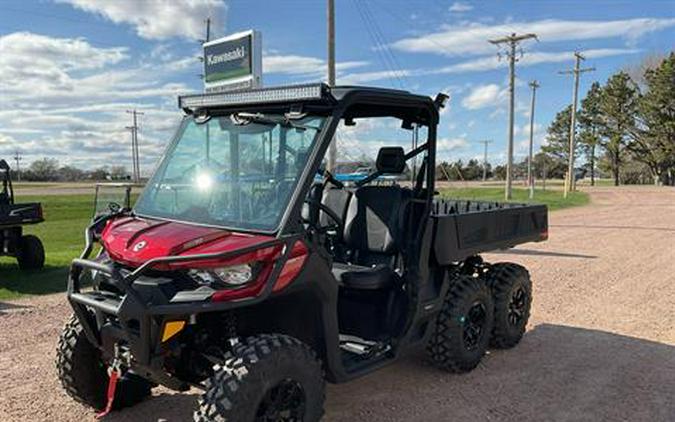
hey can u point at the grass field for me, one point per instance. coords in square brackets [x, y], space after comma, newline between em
[63, 236]
[68, 215]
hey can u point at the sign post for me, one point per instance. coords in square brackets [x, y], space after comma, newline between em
[233, 62]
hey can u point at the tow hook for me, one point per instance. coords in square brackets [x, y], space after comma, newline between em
[114, 374]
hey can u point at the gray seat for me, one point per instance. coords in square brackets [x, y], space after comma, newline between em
[337, 200]
[373, 234]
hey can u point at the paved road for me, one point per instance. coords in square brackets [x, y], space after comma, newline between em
[600, 346]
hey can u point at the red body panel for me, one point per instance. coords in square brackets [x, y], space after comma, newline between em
[133, 241]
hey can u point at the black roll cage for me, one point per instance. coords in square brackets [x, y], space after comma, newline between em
[6, 181]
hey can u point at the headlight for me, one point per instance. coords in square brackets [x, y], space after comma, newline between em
[235, 275]
[232, 276]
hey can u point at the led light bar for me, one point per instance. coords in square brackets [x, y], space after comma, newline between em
[267, 95]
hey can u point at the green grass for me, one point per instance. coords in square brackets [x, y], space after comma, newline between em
[63, 236]
[553, 198]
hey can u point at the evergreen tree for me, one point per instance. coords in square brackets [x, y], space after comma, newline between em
[618, 106]
[558, 135]
[589, 126]
[654, 141]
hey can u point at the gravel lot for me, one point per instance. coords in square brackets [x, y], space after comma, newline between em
[600, 345]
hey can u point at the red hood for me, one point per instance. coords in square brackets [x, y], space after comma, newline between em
[133, 241]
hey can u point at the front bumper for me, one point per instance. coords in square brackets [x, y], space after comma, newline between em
[135, 320]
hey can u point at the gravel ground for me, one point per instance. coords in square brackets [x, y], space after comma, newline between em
[600, 345]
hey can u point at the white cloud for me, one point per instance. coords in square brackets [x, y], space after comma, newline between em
[484, 96]
[486, 63]
[160, 19]
[363, 77]
[66, 98]
[530, 58]
[445, 144]
[292, 64]
[523, 144]
[31, 52]
[303, 65]
[471, 38]
[459, 7]
[524, 130]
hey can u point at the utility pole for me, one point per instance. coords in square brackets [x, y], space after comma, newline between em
[570, 186]
[332, 148]
[530, 176]
[485, 157]
[208, 29]
[135, 160]
[512, 41]
[17, 159]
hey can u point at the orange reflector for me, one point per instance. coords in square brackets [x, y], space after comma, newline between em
[172, 328]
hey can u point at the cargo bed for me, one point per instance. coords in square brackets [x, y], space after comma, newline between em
[464, 228]
[20, 214]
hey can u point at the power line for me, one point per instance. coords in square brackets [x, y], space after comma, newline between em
[381, 42]
[530, 177]
[570, 186]
[512, 41]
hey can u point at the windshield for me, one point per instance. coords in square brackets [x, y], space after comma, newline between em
[231, 172]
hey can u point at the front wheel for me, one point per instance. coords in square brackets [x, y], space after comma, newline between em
[84, 376]
[265, 378]
[463, 326]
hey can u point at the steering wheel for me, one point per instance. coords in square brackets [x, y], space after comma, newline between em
[337, 224]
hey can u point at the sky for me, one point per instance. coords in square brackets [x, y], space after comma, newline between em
[70, 69]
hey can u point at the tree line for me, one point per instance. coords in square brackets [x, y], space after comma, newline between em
[626, 127]
[49, 170]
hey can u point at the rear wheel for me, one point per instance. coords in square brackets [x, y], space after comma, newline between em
[84, 376]
[31, 253]
[512, 291]
[265, 378]
[463, 326]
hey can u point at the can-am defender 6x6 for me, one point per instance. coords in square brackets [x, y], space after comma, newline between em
[249, 272]
[26, 248]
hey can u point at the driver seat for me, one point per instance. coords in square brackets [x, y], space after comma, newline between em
[373, 230]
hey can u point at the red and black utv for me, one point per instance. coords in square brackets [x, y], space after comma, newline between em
[26, 248]
[242, 272]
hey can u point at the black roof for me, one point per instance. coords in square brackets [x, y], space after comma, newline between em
[340, 91]
[388, 100]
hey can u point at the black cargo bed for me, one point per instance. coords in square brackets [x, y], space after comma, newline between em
[464, 228]
[19, 214]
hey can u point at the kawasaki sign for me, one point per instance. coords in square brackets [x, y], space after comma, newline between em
[233, 62]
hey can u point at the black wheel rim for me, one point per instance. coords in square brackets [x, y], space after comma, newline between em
[474, 325]
[285, 402]
[517, 306]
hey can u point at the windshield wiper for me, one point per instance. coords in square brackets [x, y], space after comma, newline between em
[286, 120]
